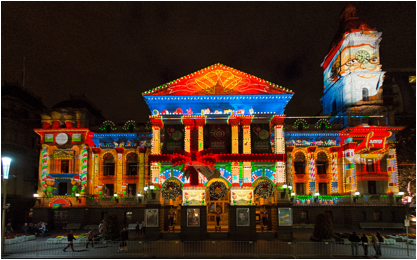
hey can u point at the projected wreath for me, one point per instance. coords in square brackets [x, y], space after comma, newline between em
[264, 189]
[217, 190]
[171, 190]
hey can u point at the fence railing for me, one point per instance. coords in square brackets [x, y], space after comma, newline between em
[203, 249]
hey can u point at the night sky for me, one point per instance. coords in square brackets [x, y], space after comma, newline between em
[112, 52]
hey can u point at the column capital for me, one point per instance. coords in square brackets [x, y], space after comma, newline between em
[119, 149]
[233, 120]
[156, 121]
[311, 149]
[277, 120]
[289, 149]
[246, 120]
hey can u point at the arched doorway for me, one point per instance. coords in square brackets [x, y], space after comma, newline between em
[218, 201]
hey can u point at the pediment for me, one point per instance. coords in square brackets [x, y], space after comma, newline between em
[217, 79]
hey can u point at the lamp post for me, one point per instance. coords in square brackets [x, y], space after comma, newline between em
[6, 168]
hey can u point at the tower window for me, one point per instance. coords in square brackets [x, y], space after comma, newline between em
[365, 95]
[334, 107]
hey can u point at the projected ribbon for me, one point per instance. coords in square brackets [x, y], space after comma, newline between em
[84, 169]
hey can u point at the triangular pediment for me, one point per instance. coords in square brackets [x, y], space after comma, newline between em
[218, 79]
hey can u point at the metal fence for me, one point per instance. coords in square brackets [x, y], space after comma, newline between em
[202, 249]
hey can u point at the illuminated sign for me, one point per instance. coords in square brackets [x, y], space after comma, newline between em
[194, 197]
[241, 197]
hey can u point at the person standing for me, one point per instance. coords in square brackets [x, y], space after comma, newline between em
[140, 227]
[365, 243]
[218, 215]
[25, 228]
[264, 215]
[375, 243]
[90, 237]
[70, 239]
[137, 228]
[354, 239]
[123, 238]
[9, 228]
[143, 226]
[380, 240]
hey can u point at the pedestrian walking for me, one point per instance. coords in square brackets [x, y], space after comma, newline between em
[380, 240]
[354, 239]
[137, 228]
[90, 238]
[123, 238]
[70, 243]
[100, 227]
[9, 228]
[365, 243]
[375, 244]
[143, 226]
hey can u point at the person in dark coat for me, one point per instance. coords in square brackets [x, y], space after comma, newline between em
[365, 243]
[90, 238]
[25, 228]
[380, 240]
[124, 237]
[354, 239]
[70, 241]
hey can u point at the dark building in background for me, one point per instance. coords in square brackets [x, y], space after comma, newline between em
[20, 114]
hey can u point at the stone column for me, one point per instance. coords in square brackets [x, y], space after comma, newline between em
[312, 170]
[235, 122]
[247, 166]
[141, 168]
[96, 169]
[119, 170]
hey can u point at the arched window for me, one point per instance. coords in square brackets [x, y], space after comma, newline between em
[299, 163]
[334, 107]
[132, 164]
[300, 127]
[365, 95]
[108, 165]
[321, 163]
[108, 129]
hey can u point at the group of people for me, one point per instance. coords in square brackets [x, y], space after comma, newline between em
[29, 229]
[376, 241]
[140, 227]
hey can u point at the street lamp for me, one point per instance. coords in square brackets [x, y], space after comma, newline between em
[6, 161]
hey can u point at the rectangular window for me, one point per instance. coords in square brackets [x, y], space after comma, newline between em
[109, 169]
[377, 216]
[132, 169]
[372, 187]
[131, 190]
[321, 167]
[64, 166]
[299, 188]
[323, 188]
[370, 165]
[299, 168]
[109, 190]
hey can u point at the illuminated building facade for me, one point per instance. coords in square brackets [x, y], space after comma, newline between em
[224, 162]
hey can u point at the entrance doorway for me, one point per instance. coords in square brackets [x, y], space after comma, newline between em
[60, 219]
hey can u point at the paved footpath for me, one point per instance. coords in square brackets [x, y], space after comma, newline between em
[139, 247]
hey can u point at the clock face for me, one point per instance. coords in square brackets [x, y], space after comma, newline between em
[362, 56]
[61, 138]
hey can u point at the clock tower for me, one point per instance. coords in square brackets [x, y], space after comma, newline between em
[352, 74]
